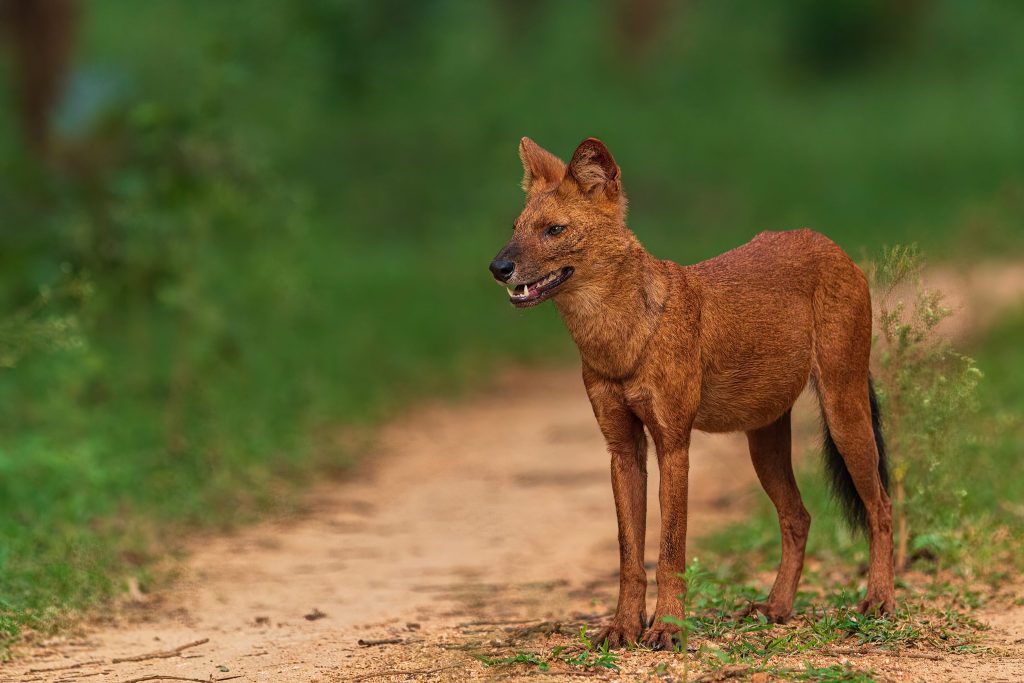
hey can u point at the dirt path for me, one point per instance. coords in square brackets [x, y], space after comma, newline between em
[470, 525]
[495, 509]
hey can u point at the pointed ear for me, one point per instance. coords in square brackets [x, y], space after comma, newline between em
[542, 170]
[594, 170]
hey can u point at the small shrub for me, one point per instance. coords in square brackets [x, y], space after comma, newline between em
[928, 392]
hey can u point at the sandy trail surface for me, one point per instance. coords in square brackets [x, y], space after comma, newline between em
[493, 510]
[475, 524]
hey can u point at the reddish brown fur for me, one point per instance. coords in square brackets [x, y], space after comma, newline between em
[724, 345]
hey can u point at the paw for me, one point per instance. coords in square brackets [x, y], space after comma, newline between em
[620, 632]
[878, 604]
[774, 615]
[660, 636]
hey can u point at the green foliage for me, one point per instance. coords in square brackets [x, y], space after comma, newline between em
[928, 395]
[43, 325]
[994, 478]
[698, 591]
[836, 673]
[518, 658]
[583, 656]
[589, 656]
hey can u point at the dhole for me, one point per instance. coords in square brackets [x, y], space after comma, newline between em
[724, 345]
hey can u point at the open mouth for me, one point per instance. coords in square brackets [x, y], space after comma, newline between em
[535, 292]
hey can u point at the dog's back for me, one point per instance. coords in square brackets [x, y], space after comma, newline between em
[760, 304]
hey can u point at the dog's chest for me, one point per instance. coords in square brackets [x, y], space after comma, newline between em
[641, 399]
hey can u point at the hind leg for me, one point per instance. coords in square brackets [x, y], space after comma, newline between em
[842, 353]
[848, 414]
[771, 453]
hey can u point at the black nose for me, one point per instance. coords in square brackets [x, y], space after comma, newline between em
[502, 269]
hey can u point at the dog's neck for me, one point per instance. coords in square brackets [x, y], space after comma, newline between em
[614, 315]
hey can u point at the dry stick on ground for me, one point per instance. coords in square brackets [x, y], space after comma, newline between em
[500, 622]
[894, 653]
[382, 641]
[158, 677]
[64, 668]
[161, 655]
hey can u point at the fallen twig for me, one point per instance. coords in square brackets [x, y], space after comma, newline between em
[861, 652]
[162, 654]
[381, 641]
[499, 622]
[160, 677]
[471, 646]
[544, 628]
[65, 667]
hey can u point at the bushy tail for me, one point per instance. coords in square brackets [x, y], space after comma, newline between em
[839, 477]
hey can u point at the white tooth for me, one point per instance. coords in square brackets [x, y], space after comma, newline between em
[511, 292]
[526, 290]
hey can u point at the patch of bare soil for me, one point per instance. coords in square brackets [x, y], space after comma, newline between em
[472, 528]
[978, 295]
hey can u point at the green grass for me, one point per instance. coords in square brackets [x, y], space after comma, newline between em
[714, 641]
[275, 226]
[582, 655]
[825, 616]
[837, 673]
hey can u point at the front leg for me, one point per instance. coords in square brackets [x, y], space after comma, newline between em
[674, 465]
[627, 446]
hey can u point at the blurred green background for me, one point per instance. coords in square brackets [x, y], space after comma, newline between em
[255, 222]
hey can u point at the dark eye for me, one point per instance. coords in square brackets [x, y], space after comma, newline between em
[555, 230]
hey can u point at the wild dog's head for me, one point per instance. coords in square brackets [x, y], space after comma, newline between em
[572, 227]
